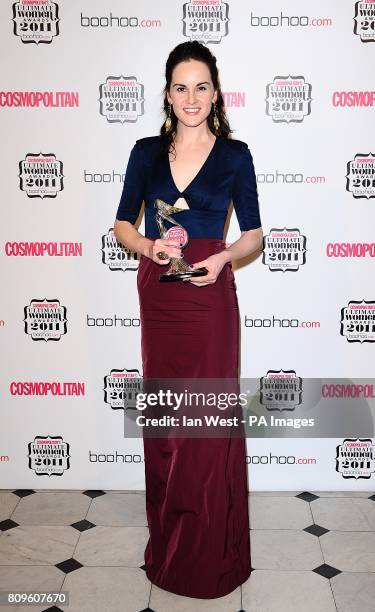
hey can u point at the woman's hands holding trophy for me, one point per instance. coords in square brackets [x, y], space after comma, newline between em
[162, 249]
[214, 265]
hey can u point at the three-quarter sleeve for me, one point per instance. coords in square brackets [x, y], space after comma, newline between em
[133, 188]
[245, 192]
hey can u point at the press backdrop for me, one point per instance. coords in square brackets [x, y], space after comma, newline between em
[80, 83]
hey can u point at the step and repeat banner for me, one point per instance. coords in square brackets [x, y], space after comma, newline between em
[80, 83]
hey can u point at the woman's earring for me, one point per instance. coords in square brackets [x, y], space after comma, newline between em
[216, 120]
[168, 121]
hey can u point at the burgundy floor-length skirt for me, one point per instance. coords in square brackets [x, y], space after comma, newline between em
[196, 488]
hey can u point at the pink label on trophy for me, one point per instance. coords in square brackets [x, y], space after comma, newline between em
[177, 233]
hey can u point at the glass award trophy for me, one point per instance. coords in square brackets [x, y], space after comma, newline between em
[179, 268]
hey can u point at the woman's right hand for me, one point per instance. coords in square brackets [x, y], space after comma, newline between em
[169, 246]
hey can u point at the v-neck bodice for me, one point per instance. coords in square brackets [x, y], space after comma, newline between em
[196, 176]
[226, 175]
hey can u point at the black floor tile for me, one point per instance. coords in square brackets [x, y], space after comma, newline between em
[316, 530]
[92, 493]
[7, 524]
[308, 497]
[69, 565]
[23, 492]
[83, 525]
[327, 571]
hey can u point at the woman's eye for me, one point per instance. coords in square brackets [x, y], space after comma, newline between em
[202, 87]
[180, 88]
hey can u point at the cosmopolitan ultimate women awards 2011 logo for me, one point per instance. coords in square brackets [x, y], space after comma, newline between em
[41, 175]
[280, 390]
[121, 388]
[35, 21]
[355, 458]
[116, 255]
[284, 249]
[121, 99]
[360, 177]
[49, 455]
[205, 20]
[364, 20]
[358, 321]
[288, 99]
[45, 320]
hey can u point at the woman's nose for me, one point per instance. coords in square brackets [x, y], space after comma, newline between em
[191, 97]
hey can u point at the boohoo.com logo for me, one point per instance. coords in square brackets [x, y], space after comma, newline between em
[284, 250]
[364, 20]
[35, 21]
[288, 99]
[121, 99]
[358, 321]
[45, 319]
[205, 20]
[360, 178]
[49, 455]
[116, 255]
[41, 175]
[355, 458]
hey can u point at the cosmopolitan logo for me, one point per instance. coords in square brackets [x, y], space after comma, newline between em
[49, 455]
[288, 99]
[284, 250]
[116, 255]
[45, 320]
[46, 389]
[350, 249]
[278, 21]
[353, 98]
[348, 390]
[360, 177]
[280, 390]
[35, 21]
[47, 99]
[41, 249]
[103, 177]
[41, 175]
[114, 321]
[205, 20]
[355, 458]
[364, 20]
[358, 321]
[234, 99]
[121, 99]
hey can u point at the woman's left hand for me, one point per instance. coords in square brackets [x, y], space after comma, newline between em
[214, 265]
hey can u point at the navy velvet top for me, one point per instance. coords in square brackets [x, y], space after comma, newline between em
[226, 175]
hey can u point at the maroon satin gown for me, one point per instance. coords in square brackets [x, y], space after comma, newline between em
[196, 488]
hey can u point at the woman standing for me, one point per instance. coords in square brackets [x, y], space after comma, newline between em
[196, 488]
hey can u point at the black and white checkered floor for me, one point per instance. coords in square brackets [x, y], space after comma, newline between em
[310, 551]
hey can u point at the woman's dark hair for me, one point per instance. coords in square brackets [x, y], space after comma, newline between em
[182, 53]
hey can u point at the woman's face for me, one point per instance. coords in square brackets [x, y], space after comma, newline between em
[191, 92]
